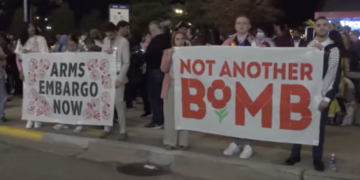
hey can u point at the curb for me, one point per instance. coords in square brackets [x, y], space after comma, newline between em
[186, 163]
[21, 133]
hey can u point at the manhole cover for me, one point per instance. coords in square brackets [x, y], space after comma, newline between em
[141, 169]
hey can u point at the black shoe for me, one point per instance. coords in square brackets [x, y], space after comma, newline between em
[105, 134]
[291, 161]
[3, 120]
[153, 126]
[145, 114]
[123, 137]
[319, 166]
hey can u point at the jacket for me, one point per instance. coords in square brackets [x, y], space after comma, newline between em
[166, 63]
[122, 55]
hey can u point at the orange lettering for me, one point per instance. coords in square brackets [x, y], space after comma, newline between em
[306, 70]
[197, 99]
[258, 70]
[237, 69]
[210, 63]
[267, 66]
[302, 107]
[202, 67]
[225, 70]
[281, 70]
[186, 66]
[263, 102]
[293, 71]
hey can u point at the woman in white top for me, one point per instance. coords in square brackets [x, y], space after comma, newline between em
[72, 46]
[30, 41]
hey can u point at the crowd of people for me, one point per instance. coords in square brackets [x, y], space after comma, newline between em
[145, 68]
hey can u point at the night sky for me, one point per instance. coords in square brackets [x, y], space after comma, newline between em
[296, 11]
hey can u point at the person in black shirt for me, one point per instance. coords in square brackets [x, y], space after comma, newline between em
[152, 57]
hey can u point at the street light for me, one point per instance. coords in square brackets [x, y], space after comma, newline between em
[46, 19]
[37, 17]
[48, 27]
[179, 11]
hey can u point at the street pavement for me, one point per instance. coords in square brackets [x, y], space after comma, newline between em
[19, 163]
[343, 141]
[28, 160]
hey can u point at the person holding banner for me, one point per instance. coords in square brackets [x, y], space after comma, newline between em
[115, 43]
[172, 137]
[30, 41]
[331, 81]
[241, 38]
[72, 46]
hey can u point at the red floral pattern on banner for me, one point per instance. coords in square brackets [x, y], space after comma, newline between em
[38, 104]
[104, 66]
[93, 110]
[100, 70]
[37, 70]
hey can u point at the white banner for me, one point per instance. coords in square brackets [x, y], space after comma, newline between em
[269, 94]
[69, 88]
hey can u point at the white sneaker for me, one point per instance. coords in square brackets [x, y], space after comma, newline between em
[233, 148]
[107, 128]
[37, 125]
[247, 152]
[60, 126]
[29, 124]
[78, 129]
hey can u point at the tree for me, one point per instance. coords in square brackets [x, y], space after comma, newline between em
[224, 12]
[62, 19]
[91, 20]
[194, 12]
[142, 12]
[309, 22]
[18, 20]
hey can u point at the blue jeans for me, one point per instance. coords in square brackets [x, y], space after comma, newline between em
[154, 85]
[3, 97]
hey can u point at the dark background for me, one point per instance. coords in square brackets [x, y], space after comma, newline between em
[296, 11]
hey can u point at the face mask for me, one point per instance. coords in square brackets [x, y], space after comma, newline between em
[260, 35]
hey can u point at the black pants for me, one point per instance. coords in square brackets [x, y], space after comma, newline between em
[317, 151]
[154, 85]
[18, 87]
[342, 104]
[130, 94]
[144, 94]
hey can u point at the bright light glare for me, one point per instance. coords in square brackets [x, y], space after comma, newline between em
[179, 11]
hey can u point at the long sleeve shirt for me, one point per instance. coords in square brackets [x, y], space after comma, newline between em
[122, 51]
[333, 65]
[33, 44]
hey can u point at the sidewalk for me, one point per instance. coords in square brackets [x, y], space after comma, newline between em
[343, 141]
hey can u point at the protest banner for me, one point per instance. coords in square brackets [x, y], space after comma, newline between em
[269, 94]
[69, 88]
